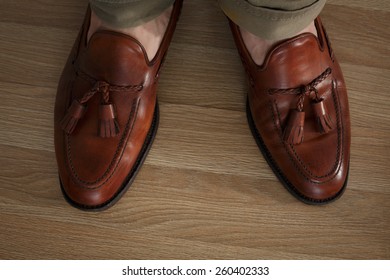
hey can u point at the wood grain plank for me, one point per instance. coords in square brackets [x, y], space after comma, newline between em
[205, 191]
[359, 36]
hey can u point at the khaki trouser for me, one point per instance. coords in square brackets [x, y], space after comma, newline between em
[268, 19]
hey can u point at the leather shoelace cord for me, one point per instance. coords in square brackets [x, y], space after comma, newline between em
[108, 125]
[305, 90]
[294, 129]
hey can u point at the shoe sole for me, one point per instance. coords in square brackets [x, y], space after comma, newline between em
[282, 178]
[130, 177]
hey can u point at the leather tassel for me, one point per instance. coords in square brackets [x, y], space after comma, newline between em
[74, 114]
[323, 119]
[108, 125]
[293, 132]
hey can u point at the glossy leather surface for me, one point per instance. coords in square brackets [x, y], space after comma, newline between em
[112, 72]
[314, 168]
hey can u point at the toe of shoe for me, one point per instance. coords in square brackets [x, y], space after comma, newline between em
[314, 191]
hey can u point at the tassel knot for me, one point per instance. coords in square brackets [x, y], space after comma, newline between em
[108, 125]
[323, 119]
[293, 132]
[74, 114]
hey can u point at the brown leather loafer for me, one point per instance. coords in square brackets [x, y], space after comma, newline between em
[298, 112]
[106, 114]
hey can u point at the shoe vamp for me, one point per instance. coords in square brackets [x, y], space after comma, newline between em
[91, 158]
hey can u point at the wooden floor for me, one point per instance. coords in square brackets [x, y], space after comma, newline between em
[205, 191]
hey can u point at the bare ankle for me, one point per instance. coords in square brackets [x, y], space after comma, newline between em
[149, 34]
[259, 48]
[95, 25]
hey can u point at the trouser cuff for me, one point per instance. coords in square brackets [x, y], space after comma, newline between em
[122, 14]
[271, 23]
